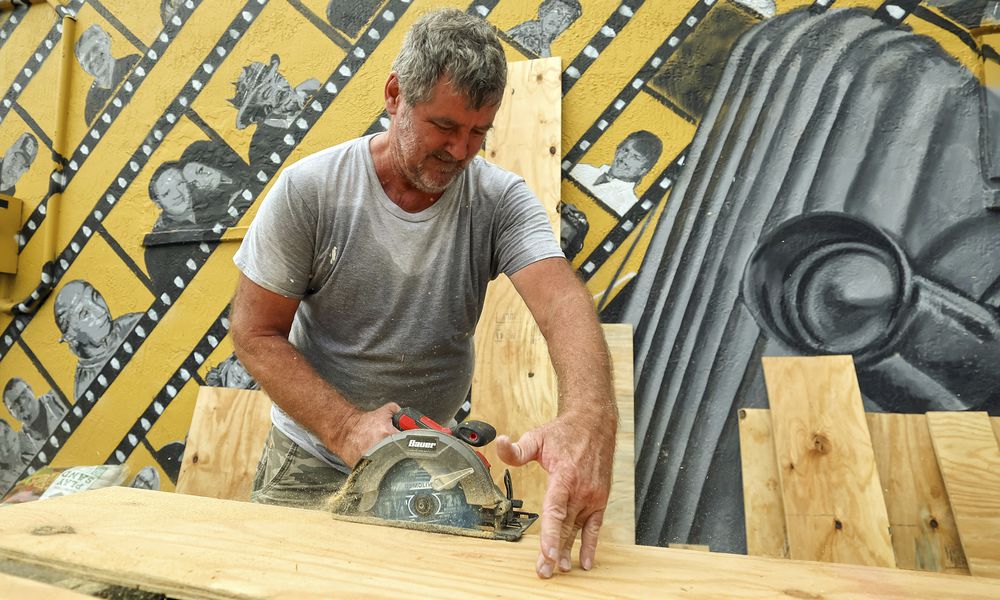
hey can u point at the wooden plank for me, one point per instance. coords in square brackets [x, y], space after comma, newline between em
[619, 519]
[995, 421]
[969, 458]
[18, 587]
[924, 534]
[194, 547]
[763, 507]
[834, 510]
[228, 431]
[514, 385]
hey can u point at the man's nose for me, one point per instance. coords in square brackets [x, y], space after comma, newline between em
[458, 145]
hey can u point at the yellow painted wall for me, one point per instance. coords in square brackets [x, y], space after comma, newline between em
[633, 65]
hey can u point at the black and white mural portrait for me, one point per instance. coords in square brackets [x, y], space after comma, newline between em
[16, 161]
[614, 185]
[554, 17]
[93, 52]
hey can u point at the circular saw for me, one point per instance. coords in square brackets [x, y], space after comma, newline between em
[431, 478]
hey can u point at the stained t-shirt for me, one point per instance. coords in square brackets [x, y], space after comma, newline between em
[389, 299]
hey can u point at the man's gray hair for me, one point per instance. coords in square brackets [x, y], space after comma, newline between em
[460, 46]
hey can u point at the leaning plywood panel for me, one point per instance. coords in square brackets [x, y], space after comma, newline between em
[193, 547]
[995, 421]
[227, 435]
[834, 510]
[619, 518]
[967, 453]
[924, 535]
[763, 508]
[514, 386]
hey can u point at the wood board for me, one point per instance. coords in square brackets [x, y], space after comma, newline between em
[514, 386]
[195, 547]
[18, 587]
[763, 508]
[969, 459]
[224, 444]
[924, 534]
[834, 509]
[619, 518]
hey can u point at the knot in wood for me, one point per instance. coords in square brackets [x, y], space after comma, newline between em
[50, 530]
[821, 443]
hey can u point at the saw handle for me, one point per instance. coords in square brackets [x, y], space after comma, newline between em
[473, 433]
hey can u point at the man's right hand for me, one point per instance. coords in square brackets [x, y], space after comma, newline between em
[365, 430]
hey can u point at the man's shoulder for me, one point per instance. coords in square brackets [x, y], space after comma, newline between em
[486, 176]
[327, 160]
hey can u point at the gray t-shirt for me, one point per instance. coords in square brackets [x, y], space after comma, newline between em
[389, 299]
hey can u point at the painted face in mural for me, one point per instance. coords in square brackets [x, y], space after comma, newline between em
[171, 193]
[435, 140]
[20, 401]
[202, 176]
[94, 53]
[146, 479]
[556, 17]
[83, 317]
[17, 160]
[630, 163]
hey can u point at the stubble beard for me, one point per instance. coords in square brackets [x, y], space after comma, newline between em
[417, 175]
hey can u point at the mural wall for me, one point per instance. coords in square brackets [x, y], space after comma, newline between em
[740, 178]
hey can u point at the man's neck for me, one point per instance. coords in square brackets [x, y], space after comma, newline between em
[394, 182]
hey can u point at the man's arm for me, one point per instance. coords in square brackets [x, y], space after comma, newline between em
[577, 448]
[260, 322]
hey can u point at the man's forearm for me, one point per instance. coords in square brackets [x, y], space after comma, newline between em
[295, 386]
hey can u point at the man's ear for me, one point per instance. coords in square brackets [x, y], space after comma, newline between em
[393, 95]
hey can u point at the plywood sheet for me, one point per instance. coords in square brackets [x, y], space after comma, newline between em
[619, 519]
[967, 454]
[195, 547]
[924, 534]
[514, 386]
[995, 421]
[763, 507]
[228, 431]
[834, 510]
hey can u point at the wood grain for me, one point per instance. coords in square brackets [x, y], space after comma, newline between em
[194, 547]
[834, 510]
[969, 459]
[228, 431]
[924, 534]
[763, 507]
[995, 421]
[619, 518]
[514, 386]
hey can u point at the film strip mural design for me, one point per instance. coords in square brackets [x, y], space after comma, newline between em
[8, 26]
[107, 117]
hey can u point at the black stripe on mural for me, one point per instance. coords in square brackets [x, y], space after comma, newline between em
[597, 44]
[893, 12]
[481, 9]
[34, 64]
[646, 204]
[626, 95]
[320, 101]
[15, 19]
[937, 20]
[104, 120]
[188, 369]
[820, 6]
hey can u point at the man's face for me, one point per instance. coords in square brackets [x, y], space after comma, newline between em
[274, 91]
[172, 194]
[88, 325]
[17, 161]
[21, 403]
[556, 19]
[435, 140]
[629, 163]
[202, 176]
[95, 56]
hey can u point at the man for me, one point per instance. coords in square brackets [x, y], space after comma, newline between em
[365, 272]
[16, 451]
[16, 162]
[265, 98]
[554, 17]
[93, 51]
[84, 319]
[614, 185]
[38, 416]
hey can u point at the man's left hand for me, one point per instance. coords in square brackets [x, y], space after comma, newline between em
[577, 453]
